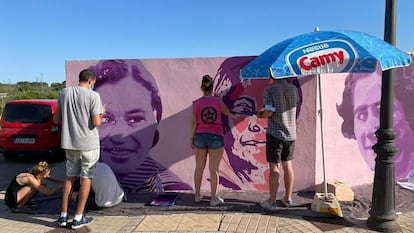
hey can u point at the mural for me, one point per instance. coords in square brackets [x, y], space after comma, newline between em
[145, 131]
[129, 127]
[245, 134]
[147, 124]
[360, 110]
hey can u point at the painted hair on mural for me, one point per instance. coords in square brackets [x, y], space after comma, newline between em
[404, 90]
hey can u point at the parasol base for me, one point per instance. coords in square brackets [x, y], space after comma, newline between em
[328, 204]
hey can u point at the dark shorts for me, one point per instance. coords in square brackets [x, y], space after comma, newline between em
[208, 141]
[278, 150]
[11, 199]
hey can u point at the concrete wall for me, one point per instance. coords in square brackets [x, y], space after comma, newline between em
[155, 139]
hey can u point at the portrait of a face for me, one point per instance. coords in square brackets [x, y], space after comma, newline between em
[361, 112]
[129, 125]
[245, 134]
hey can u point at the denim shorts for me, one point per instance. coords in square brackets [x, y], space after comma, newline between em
[208, 141]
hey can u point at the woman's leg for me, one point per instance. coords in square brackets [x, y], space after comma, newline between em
[201, 158]
[215, 156]
[24, 195]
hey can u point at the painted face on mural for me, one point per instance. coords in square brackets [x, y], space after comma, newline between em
[248, 134]
[129, 124]
[366, 102]
[245, 143]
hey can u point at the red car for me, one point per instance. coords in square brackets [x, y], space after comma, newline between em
[27, 127]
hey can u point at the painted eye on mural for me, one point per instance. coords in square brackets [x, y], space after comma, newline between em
[254, 128]
[244, 106]
[361, 115]
[398, 112]
[134, 119]
[377, 109]
[108, 119]
[241, 108]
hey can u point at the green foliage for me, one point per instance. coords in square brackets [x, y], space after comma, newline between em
[29, 90]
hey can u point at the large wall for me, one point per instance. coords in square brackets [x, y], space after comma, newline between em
[147, 125]
[351, 104]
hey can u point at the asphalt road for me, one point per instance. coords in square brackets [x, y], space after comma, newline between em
[8, 168]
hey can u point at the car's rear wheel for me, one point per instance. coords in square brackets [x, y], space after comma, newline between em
[10, 155]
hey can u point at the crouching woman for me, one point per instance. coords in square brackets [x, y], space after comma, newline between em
[27, 184]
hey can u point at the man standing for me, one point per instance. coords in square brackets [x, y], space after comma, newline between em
[79, 110]
[280, 100]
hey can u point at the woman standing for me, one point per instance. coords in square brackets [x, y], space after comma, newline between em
[26, 185]
[207, 138]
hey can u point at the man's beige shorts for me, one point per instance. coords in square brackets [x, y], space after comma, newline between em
[81, 163]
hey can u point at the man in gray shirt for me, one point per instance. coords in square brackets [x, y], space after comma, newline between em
[79, 111]
[280, 100]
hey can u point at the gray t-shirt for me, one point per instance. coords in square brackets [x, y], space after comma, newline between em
[78, 105]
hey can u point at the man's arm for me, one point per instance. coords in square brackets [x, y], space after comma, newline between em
[97, 120]
[264, 113]
[268, 108]
[57, 117]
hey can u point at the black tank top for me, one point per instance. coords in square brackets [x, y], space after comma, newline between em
[11, 192]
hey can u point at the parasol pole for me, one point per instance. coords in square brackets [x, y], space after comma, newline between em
[326, 202]
[325, 185]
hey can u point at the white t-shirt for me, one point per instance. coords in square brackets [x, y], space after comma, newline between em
[106, 187]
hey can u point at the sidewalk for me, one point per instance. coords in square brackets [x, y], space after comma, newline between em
[188, 222]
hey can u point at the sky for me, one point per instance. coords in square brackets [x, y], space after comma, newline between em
[38, 36]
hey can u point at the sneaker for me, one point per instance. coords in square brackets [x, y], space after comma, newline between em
[266, 205]
[84, 220]
[288, 203]
[62, 221]
[217, 201]
[197, 199]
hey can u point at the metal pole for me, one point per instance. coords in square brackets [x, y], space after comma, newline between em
[325, 185]
[382, 214]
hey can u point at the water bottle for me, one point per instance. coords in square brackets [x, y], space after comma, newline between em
[411, 175]
[158, 184]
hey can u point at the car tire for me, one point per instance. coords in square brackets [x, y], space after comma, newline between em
[10, 155]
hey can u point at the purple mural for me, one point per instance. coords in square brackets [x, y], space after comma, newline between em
[129, 129]
[360, 110]
[245, 134]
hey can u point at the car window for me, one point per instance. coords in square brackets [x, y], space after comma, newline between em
[27, 113]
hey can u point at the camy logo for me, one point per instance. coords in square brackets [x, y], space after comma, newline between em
[321, 59]
[335, 56]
